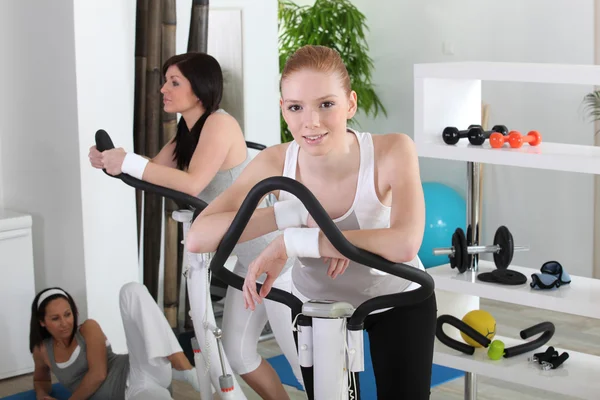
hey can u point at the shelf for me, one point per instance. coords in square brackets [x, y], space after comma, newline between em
[511, 72]
[578, 376]
[550, 156]
[450, 94]
[580, 297]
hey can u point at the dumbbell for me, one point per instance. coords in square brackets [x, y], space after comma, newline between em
[516, 140]
[452, 135]
[503, 249]
[477, 135]
[497, 140]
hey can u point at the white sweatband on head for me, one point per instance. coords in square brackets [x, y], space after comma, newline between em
[134, 165]
[49, 293]
[290, 214]
[302, 242]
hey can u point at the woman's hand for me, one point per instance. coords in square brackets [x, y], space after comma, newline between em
[270, 261]
[112, 160]
[95, 158]
[337, 266]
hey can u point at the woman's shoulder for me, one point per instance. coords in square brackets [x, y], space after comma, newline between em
[221, 117]
[276, 152]
[222, 125]
[393, 151]
[90, 328]
[392, 143]
[270, 160]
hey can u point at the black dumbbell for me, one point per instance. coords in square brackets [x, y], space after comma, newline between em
[459, 254]
[477, 135]
[452, 135]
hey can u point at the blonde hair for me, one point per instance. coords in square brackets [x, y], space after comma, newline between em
[318, 58]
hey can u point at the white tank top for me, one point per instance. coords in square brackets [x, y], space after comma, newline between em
[358, 283]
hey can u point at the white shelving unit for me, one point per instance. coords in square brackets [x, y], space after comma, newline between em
[449, 94]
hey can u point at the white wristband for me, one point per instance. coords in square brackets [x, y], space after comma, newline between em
[134, 165]
[302, 242]
[290, 214]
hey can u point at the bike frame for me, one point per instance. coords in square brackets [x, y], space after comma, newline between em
[329, 335]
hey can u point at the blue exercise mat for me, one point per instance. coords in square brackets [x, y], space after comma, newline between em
[58, 392]
[439, 375]
[368, 391]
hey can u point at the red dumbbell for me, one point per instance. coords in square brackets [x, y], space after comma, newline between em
[497, 140]
[516, 140]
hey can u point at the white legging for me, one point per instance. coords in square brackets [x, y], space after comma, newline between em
[242, 328]
[150, 340]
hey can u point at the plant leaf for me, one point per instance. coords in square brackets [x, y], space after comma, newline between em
[337, 24]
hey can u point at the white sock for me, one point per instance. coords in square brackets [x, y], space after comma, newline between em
[189, 376]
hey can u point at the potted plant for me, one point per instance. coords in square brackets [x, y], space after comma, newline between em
[337, 24]
[592, 105]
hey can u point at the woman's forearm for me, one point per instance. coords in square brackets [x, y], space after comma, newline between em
[394, 244]
[174, 179]
[88, 386]
[42, 389]
[207, 231]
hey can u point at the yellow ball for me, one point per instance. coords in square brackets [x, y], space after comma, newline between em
[483, 322]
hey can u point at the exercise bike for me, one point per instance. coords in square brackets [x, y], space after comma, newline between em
[329, 334]
[213, 369]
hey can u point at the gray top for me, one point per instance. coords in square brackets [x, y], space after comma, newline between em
[246, 252]
[113, 387]
[223, 179]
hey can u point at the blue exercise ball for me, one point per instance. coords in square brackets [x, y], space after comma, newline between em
[445, 210]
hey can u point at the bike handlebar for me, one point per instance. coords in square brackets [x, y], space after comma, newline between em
[331, 231]
[328, 227]
[104, 142]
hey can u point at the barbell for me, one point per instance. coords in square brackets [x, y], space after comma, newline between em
[503, 249]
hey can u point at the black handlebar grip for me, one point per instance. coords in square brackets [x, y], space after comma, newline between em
[545, 328]
[103, 141]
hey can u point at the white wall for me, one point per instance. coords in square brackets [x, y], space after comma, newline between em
[260, 62]
[104, 49]
[6, 45]
[556, 221]
[38, 128]
[62, 82]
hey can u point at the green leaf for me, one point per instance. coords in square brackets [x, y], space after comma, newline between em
[337, 24]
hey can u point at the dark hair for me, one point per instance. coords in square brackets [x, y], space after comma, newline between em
[37, 333]
[206, 78]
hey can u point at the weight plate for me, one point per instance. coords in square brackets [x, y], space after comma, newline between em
[461, 248]
[455, 259]
[503, 277]
[504, 239]
[469, 243]
[509, 277]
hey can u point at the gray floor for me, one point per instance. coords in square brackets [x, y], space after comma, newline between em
[572, 332]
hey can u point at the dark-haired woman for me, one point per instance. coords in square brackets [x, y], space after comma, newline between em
[204, 159]
[81, 357]
[209, 142]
